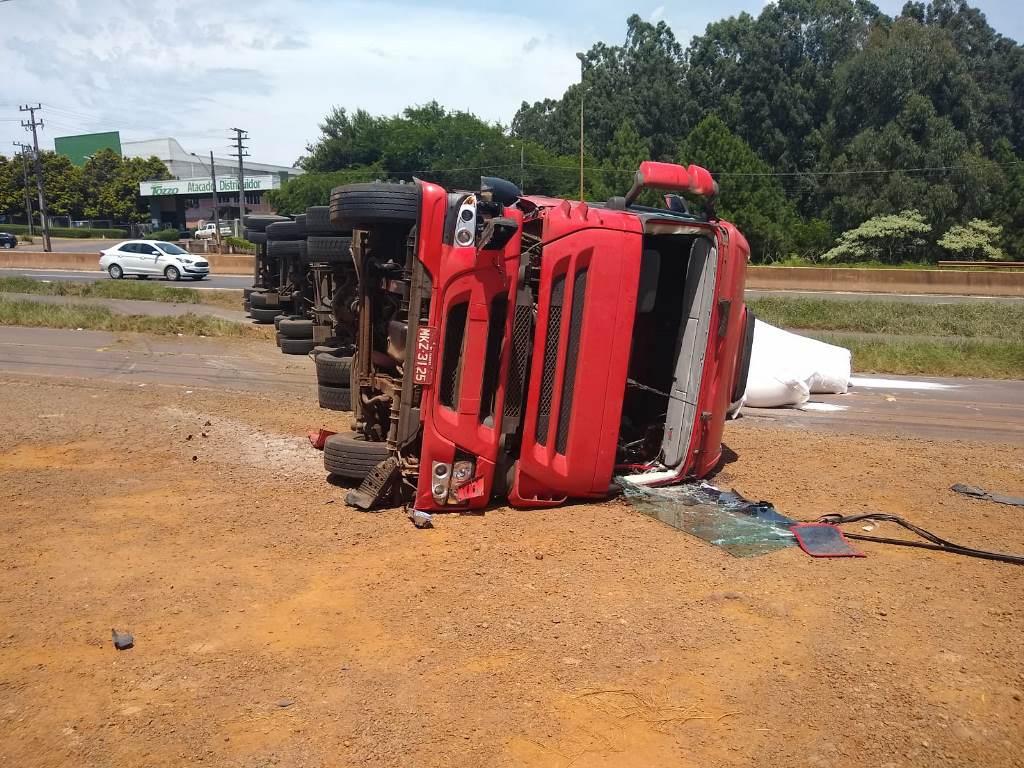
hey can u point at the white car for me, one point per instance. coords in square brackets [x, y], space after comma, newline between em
[208, 230]
[152, 257]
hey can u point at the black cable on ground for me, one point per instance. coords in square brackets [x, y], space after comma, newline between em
[933, 542]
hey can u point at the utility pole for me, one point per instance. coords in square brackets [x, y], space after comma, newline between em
[28, 195]
[522, 165]
[240, 137]
[216, 216]
[31, 124]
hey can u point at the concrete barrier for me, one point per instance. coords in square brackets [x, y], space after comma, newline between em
[220, 263]
[945, 281]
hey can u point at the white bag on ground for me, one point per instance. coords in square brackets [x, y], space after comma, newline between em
[786, 368]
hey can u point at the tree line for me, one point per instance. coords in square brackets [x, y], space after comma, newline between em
[106, 187]
[816, 117]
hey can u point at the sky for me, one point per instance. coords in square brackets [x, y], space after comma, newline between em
[192, 70]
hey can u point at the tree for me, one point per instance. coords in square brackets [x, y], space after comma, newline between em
[749, 195]
[890, 238]
[625, 153]
[642, 79]
[974, 239]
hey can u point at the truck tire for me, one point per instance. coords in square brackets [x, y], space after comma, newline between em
[318, 222]
[265, 300]
[283, 248]
[277, 336]
[252, 236]
[302, 252]
[334, 371]
[357, 206]
[285, 230]
[260, 221]
[296, 328]
[352, 456]
[263, 316]
[296, 346]
[328, 250]
[334, 398]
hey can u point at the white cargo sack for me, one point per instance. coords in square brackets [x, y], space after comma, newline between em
[786, 368]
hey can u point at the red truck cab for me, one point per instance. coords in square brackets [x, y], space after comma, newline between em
[537, 347]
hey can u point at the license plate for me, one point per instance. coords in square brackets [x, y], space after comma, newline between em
[423, 363]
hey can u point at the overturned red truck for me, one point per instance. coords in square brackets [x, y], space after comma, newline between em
[529, 349]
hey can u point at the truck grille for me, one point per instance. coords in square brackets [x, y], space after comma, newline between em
[522, 335]
[547, 381]
[451, 364]
[572, 350]
[492, 359]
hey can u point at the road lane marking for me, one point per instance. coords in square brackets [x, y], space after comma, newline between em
[877, 383]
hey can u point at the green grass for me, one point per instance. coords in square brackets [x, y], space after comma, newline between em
[972, 320]
[35, 315]
[939, 357]
[123, 289]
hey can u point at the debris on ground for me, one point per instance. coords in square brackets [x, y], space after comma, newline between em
[122, 640]
[823, 540]
[741, 527]
[981, 493]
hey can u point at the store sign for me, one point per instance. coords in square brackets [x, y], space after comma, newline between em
[205, 186]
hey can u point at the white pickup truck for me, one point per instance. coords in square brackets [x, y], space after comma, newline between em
[208, 230]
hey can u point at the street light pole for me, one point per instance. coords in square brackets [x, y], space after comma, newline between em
[583, 64]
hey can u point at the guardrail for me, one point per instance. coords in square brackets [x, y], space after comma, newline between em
[981, 264]
[934, 281]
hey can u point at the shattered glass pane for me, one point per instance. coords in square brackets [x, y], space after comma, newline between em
[724, 518]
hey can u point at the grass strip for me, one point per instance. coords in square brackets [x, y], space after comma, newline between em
[35, 315]
[140, 290]
[989, 320]
[987, 359]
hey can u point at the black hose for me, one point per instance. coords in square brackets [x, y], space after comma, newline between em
[933, 542]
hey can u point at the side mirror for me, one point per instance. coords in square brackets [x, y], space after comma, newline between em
[498, 190]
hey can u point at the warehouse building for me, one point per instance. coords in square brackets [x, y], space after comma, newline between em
[186, 199]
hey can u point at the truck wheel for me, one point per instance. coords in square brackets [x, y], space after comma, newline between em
[296, 346]
[296, 328]
[352, 456]
[283, 248]
[263, 316]
[334, 398]
[260, 222]
[328, 250]
[334, 371]
[254, 236]
[285, 230]
[355, 206]
[318, 222]
[264, 300]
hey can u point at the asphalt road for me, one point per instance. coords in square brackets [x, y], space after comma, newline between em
[971, 409]
[69, 244]
[100, 356]
[927, 407]
[244, 281]
[84, 276]
[912, 298]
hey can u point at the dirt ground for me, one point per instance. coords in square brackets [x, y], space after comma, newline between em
[276, 627]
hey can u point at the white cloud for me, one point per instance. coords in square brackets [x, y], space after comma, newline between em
[656, 14]
[120, 65]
